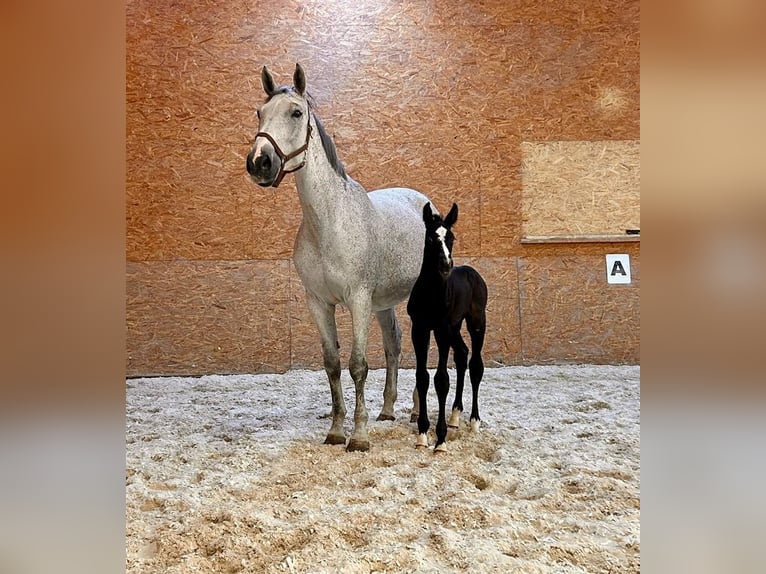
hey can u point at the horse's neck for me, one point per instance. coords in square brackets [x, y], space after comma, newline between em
[323, 192]
[431, 282]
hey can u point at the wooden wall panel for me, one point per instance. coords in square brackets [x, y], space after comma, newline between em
[432, 95]
[502, 345]
[197, 317]
[570, 314]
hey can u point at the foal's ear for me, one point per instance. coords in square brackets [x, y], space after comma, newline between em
[299, 79]
[451, 218]
[428, 215]
[268, 82]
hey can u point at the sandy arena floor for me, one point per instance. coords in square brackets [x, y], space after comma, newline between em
[229, 474]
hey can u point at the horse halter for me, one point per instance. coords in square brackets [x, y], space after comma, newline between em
[284, 158]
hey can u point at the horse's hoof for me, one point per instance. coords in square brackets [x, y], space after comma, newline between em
[422, 441]
[452, 432]
[414, 417]
[358, 445]
[441, 447]
[385, 417]
[475, 425]
[335, 439]
[454, 419]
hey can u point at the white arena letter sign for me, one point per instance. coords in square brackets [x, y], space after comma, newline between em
[618, 268]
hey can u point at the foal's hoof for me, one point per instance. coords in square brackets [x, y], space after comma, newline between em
[335, 439]
[422, 441]
[441, 447]
[475, 425]
[385, 417]
[358, 445]
[452, 432]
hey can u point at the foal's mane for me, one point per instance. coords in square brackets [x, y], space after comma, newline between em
[327, 144]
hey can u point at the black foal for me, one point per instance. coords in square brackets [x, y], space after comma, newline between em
[443, 296]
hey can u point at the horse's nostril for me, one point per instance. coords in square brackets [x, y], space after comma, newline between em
[265, 162]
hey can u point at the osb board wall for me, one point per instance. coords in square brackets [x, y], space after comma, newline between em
[194, 317]
[434, 95]
[580, 187]
[502, 344]
[571, 314]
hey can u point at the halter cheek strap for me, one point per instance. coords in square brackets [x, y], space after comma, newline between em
[284, 158]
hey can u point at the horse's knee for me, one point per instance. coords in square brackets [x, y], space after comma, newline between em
[441, 382]
[460, 355]
[332, 367]
[358, 368]
[476, 368]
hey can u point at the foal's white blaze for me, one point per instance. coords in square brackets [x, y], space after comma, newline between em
[442, 233]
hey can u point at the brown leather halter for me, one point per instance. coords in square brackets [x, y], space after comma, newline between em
[284, 158]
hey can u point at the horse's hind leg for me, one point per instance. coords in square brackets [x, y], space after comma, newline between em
[476, 328]
[324, 318]
[392, 344]
[460, 354]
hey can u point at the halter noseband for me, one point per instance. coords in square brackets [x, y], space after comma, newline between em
[284, 158]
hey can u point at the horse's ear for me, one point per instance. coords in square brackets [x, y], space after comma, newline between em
[428, 215]
[451, 218]
[268, 82]
[299, 79]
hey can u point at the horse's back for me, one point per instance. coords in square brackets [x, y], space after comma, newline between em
[393, 202]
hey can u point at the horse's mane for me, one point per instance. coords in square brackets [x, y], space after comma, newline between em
[329, 149]
[327, 144]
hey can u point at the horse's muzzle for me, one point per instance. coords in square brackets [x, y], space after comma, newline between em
[263, 169]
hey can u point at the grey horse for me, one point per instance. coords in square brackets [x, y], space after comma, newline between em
[353, 248]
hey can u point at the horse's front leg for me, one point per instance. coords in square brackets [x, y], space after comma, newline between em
[421, 338]
[441, 384]
[360, 308]
[324, 318]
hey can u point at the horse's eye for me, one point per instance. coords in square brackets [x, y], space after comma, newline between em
[297, 113]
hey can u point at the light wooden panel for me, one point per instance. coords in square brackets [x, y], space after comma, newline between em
[580, 187]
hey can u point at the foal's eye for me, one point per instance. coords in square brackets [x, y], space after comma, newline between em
[297, 113]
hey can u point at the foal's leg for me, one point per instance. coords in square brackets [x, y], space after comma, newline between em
[460, 354]
[441, 384]
[324, 318]
[392, 344]
[421, 338]
[360, 309]
[476, 328]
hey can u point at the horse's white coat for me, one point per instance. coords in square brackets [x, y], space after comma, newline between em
[259, 143]
[355, 249]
